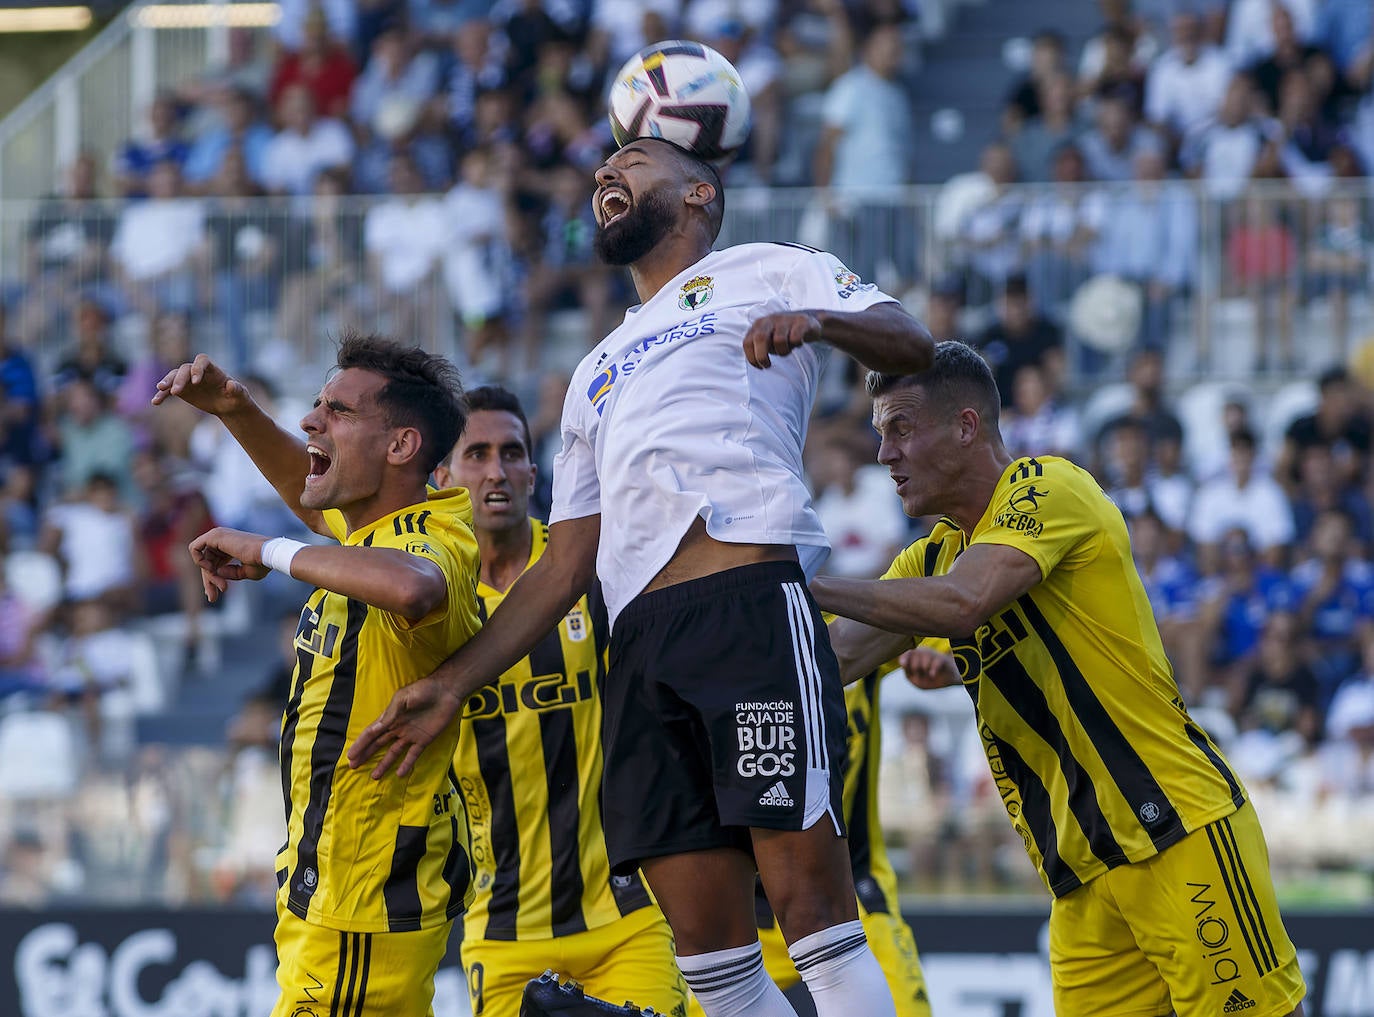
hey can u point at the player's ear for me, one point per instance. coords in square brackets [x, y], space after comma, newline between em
[405, 446]
[970, 423]
[700, 193]
[534, 472]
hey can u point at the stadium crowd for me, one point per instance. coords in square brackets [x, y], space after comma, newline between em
[472, 128]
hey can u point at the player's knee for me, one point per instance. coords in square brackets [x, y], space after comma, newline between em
[803, 911]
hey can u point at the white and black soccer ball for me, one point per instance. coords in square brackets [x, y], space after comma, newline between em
[684, 93]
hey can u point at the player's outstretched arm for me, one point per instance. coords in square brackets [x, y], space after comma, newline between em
[986, 578]
[535, 603]
[279, 455]
[882, 337]
[387, 578]
[861, 648]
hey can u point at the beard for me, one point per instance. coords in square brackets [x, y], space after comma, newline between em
[628, 239]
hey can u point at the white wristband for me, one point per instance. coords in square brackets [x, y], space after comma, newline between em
[278, 552]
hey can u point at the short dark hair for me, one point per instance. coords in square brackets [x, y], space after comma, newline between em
[1244, 438]
[1332, 377]
[494, 398]
[699, 169]
[957, 375]
[422, 390]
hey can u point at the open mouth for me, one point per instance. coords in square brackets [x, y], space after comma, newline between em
[497, 500]
[615, 204]
[319, 462]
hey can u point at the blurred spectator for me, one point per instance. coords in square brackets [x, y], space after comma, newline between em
[394, 71]
[93, 538]
[1252, 29]
[318, 64]
[433, 22]
[237, 128]
[21, 438]
[1027, 99]
[137, 158]
[327, 278]
[565, 271]
[621, 28]
[404, 126]
[1018, 337]
[479, 65]
[21, 667]
[1340, 422]
[761, 72]
[1288, 53]
[864, 522]
[65, 252]
[1126, 469]
[157, 245]
[858, 147]
[305, 145]
[913, 800]
[1277, 694]
[1151, 239]
[1308, 138]
[246, 243]
[990, 231]
[1172, 486]
[94, 661]
[477, 259]
[92, 357]
[174, 514]
[1118, 55]
[300, 18]
[1248, 499]
[1262, 264]
[1337, 262]
[92, 440]
[1351, 714]
[169, 347]
[19, 508]
[244, 868]
[1060, 227]
[1186, 84]
[1173, 586]
[1322, 488]
[1344, 30]
[1223, 151]
[1333, 597]
[1036, 145]
[944, 309]
[1038, 422]
[405, 237]
[1119, 76]
[1237, 601]
[28, 876]
[1111, 147]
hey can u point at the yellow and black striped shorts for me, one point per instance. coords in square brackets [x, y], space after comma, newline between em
[1194, 930]
[327, 973]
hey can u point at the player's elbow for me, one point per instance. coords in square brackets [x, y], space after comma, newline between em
[967, 613]
[418, 594]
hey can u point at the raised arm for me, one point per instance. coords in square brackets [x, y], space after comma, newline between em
[406, 585]
[278, 455]
[535, 603]
[985, 579]
[882, 337]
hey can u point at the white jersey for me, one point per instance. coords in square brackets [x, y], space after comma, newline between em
[665, 421]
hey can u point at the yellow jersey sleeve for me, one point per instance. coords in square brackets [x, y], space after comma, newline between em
[433, 549]
[1049, 509]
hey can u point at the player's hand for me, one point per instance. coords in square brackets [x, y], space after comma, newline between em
[416, 715]
[204, 385]
[226, 556]
[929, 669]
[779, 334]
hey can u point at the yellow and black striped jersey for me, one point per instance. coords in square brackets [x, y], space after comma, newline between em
[1090, 744]
[366, 855]
[875, 881]
[529, 766]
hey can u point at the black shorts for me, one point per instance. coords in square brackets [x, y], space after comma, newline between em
[723, 711]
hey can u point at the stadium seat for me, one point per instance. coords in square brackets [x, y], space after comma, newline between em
[35, 577]
[38, 756]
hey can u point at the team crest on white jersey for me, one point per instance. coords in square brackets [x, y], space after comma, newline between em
[696, 292]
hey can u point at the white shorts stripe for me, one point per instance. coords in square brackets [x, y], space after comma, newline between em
[812, 674]
[803, 679]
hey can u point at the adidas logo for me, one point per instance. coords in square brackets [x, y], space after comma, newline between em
[777, 795]
[1237, 1001]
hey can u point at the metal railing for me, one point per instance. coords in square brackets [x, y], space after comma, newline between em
[1270, 283]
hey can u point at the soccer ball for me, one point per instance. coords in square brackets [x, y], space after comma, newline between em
[684, 93]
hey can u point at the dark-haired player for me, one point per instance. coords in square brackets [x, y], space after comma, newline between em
[372, 873]
[1163, 902]
[680, 485]
[529, 769]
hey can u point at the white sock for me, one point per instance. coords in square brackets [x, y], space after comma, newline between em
[733, 983]
[842, 974]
